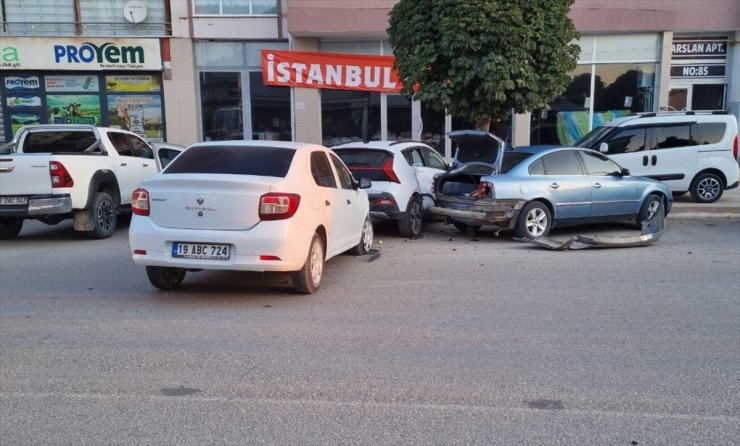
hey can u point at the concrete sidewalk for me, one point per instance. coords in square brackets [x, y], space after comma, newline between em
[727, 206]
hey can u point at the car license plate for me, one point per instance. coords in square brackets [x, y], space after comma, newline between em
[200, 251]
[13, 200]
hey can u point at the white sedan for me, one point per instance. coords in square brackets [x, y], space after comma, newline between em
[250, 206]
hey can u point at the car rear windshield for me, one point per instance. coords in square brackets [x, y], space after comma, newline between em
[237, 160]
[512, 159]
[58, 141]
[367, 163]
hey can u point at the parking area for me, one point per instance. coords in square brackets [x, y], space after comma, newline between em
[442, 339]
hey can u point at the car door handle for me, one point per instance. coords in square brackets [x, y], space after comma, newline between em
[654, 159]
[124, 164]
[597, 185]
[348, 201]
[146, 165]
[326, 202]
[554, 186]
[644, 160]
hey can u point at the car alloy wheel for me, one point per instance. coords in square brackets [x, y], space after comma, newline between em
[367, 235]
[412, 221]
[536, 222]
[316, 263]
[708, 188]
[652, 209]
[307, 280]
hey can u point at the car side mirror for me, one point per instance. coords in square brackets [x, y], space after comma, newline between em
[625, 172]
[603, 147]
[364, 183]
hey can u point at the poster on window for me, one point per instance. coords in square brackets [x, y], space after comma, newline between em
[132, 84]
[18, 120]
[141, 114]
[23, 101]
[73, 109]
[69, 84]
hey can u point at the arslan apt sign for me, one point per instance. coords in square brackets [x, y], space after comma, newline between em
[699, 48]
[328, 70]
[79, 54]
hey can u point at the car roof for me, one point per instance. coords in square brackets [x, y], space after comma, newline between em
[668, 117]
[258, 143]
[391, 146]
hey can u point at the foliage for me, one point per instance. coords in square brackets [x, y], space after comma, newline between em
[478, 59]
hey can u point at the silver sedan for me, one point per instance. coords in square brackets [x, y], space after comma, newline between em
[532, 190]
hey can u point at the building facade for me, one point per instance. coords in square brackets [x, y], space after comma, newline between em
[221, 68]
[83, 62]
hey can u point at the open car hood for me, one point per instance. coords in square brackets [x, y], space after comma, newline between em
[476, 146]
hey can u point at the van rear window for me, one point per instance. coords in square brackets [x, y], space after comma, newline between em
[236, 160]
[711, 132]
[58, 141]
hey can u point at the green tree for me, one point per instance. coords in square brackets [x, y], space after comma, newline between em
[478, 59]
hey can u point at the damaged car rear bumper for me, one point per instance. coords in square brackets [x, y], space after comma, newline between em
[502, 213]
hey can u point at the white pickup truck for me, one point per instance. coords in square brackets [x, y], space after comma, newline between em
[55, 172]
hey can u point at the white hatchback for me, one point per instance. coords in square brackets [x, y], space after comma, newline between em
[402, 173]
[250, 206]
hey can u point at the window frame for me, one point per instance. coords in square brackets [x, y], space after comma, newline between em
[316, 177]
[583, 155]
[222, 14]
[342, 173]
[578, 161]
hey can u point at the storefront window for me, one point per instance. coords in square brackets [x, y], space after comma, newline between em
[348, 116]
[433, 128]
[270, 110]
[623, 83]
[235, 7]
[399, 118]
[221, 105]
[130, 101]
[708, 97]
[619, 89]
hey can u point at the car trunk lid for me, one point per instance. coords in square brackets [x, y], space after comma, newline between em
[206, 201]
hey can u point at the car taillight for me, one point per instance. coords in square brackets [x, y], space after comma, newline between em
[382, 201]
[389, 172]
[278, 206]
[140, 202]
[60, 177]
[734, 148]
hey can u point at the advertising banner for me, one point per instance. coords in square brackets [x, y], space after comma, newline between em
[22, 83]
[73, 109]
[135, 83]
[23, 101]
[18, 120]
[69, 53]
[141, 114]
[329, 70]
[71, 83]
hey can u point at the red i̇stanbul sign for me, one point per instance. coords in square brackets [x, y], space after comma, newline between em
[329, 70]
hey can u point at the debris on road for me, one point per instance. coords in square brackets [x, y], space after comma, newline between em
[651, 231]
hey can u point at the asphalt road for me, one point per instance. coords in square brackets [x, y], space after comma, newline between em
[446, 339]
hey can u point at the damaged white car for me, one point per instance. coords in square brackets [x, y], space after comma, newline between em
[532, 189]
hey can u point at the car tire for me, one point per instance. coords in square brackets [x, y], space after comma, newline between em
[653, 203]
[10, 227]
[165, 278]
[466, 229]
[104, 216]
[534, 221]
[308, 279]
[706, 188]
[366, 239]
[410, 225]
